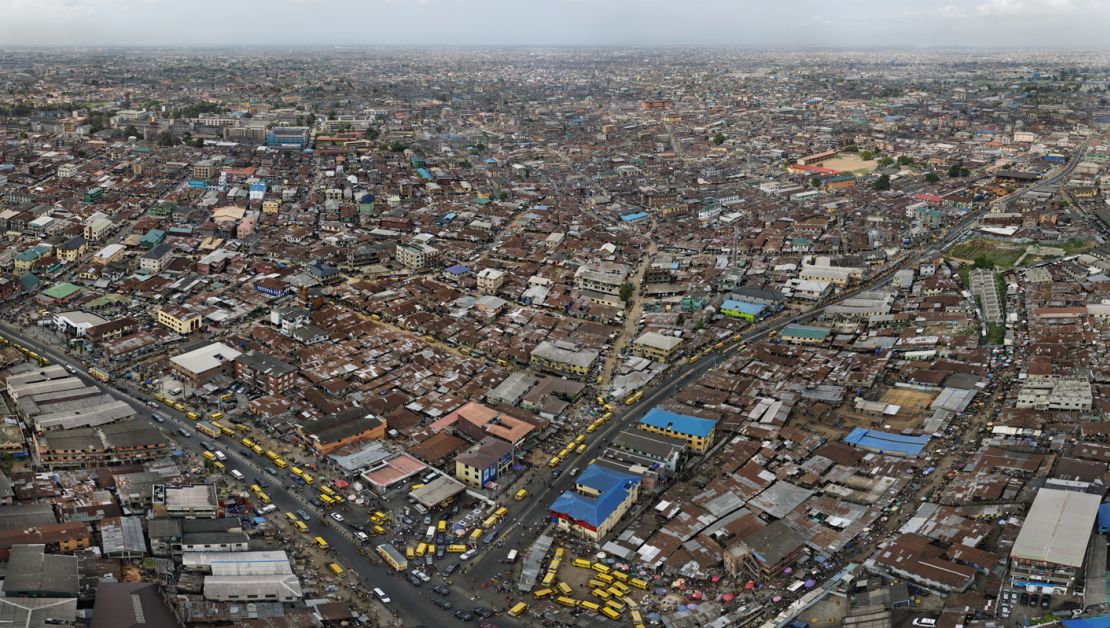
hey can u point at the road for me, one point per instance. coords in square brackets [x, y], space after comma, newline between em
[413, 604]
[543, 492]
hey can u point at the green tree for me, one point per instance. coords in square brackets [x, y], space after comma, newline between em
[956, 170]
[932, 177]
[626, 292]
[131, 131]
[882, 183]
[886, 161]
[719, 139]
[815, 182]
[6, 462]
[983, 261]
[904, 160]
[165, 138]
[867, 155]
[370, 133]
[504, 196]
[397, 147]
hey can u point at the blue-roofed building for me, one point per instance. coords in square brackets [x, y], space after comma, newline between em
[744, 310]
[1104, 518]
[887, 442]
[696, 431]
[600, 498]
[634, 216]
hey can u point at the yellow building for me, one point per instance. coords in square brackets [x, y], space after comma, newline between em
[271, 206]
[697, 432]
[181, 320]
[562, 357]
[656, 346]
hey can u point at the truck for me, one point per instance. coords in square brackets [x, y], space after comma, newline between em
[395, 559]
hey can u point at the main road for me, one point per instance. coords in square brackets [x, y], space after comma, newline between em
[521, 531]
[411, 603]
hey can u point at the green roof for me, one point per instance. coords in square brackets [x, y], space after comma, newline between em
[61, 290]
[804, 331]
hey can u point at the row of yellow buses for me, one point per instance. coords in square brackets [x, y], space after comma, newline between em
[41, 360]
[297, 523]
[262, 497]
[308, 479]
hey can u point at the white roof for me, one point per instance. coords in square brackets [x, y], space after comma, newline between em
[205, 358]
[1057, 528]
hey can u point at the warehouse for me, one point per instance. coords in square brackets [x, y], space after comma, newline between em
[1049, 552]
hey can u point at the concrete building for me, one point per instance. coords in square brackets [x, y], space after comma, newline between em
[656, 346]
[484, 463]
[416, 256]
[804, 334]
[178, 319]
[1049, 552]
[698, 433]
[490, 280]
[604, 277]
[156, 259]
[264, 372]
[126, 442]
[202, 364]
[198, 501]
[347, 427]
[1051, 392]
[563, 357]
[765, 552]
[600, 498]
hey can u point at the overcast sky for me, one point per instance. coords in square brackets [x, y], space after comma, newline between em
[847, 23]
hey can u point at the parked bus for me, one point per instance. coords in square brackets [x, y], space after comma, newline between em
[219, 466]
[634, 397]
[208, 430]
[279, 463]
[548, 579]
[308, 479]
[325, 489]
[517, 609]
[637, 583]
[243, 427]
[600, 568]
[237, 474]
[291, 517]
[601, 593]
[336, 568]
[567, 601]
[560, 552]
[457, 549]
[590, 606]
[257, 449]
[216, 416]
[99, 374]
[615, 604]
[192, 416]
[582, 562]
[271, 454]
[421, 549]
[501, 512]
[490, 521]
[301, 526]
[610, 613]
[441, 526]
[327, 501]
[595, 584]
[604, 577]
[209, 455]
[475, 535]
[319, 541]
[246, 442]
[619, 575]
[393, 557]
[564, 588]
[521, 494]
[511, 558]
[542, 593]
[262, 497]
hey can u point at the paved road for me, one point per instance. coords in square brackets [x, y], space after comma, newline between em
[413, 604]
[544, 489]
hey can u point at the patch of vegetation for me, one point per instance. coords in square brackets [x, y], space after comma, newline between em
[996, 333]
[987, 254]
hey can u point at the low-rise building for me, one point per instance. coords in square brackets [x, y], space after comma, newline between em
[698, 433]
[265, 372]
[203, 363]
[347, 427]
[656, 346]
[484, 463]
[178, 319]
[563, 357]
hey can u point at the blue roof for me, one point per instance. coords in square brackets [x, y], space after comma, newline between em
[1087, 622]
[612, 487]
[743, 306]
[1104, 516]
[423, 172]
[633, 217]
[458, 269]
[681, 423]
[887, 441]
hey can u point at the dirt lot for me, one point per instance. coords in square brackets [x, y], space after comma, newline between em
[913, 402]
[849, 161]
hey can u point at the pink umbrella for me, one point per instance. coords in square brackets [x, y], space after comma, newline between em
[749, 585]
[788, 570]
[777, 598]
[695, 595]
[728, 597]
[716, 578]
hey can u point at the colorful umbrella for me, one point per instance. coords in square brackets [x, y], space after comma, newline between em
[749, 585]
[777, 598]
[788, 570]
[810, 583]
[728, 597]
[716, 579]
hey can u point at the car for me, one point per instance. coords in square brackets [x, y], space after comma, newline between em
[152, 404]
[420, 574]
[1046, 601]
[441, 590]
[1004, 611]
[158, 417]
[381, 595]
[468, 554]
[361, 536]
[70, 369]
[450, 569]
[1034, 600]
[246, 453]
[414, 581]
[271, 471]
[444, 604]
[427, 520]
[184, 432]
[303, 515]
[407, 520]
[482, 612]
[207, 444]
[336, 516]
[462, 615]
[361, 551]
[1024, 599]
[925, 621]
[440, 549]
[261, 483]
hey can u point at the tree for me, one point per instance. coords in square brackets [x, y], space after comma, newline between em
[932, 177]
[370, 133]
[504, 196]
[883, 183]
[719, 139]
[165, 138]
[904, 160]
[958, 170]
[198, 142]
[626, 292]
[983, 261]
[131, 131]
[867, 155]
[815, 182]
[886, 161]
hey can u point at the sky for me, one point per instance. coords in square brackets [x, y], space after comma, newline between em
[758, 23]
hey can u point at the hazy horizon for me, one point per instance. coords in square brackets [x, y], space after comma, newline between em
[805, 24]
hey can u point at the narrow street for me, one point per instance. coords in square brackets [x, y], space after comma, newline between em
[632, 319]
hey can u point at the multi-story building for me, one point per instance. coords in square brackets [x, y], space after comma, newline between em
[204, 170]
[125, 442]
[180, 320]
[656, 346]
[765, 552]
[1051, 392]
[600, 498]
[288, 137]
[697, 432]
[266, 372]
[484, 463]
[416, 255]
[490, 280]
[603, 278]
[563, 357]
[1051, 548]
[153, 261]
[347, 427]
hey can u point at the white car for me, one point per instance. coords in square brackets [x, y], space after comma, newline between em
[420, 574]
[925, 621]
[337, 516]
[381, 595]
[361, 536]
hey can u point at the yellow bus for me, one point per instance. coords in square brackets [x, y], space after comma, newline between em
[639, 584]
[291, 517]
[559, 553]
[554, 462]
[377, 517]
[262, 497]
[279, 463]
[421, 549]
[590, 429]
[619, 575]
[301, 526]
[582, 562]
[634, 397]
[192, 416]
[415, 487]
[336, 568]
[555, 562]
[517, 609]
[177, 405]
[410, 552]
[208, 430]
[296, 471]
[637, 618]
[610, 613]
[604, 577]
[215, 416]
[456, 548]
[243, 427]
[600, 568]
[227, 431]
[219, 465]
[564, 588]
[246, 442]
[601, 593]
[591, 606]
[271, 454]
[257, 449]
[595, 584]
[548, 579]
[620, 586]
[490, 521]
[308, 479]
[567, 601]
[475, 535]
[326, 490]
[327, 501]
[615, 592]
[542, 593]
[208, 455]
[581, 449]
[579, 438]
[615, 604]
[441, 526]
[521, 494]
[501, 512]
[320, 542]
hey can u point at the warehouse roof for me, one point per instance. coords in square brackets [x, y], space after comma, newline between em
[887, 442]
[679, 423]
[1057, 528]
[205, 358]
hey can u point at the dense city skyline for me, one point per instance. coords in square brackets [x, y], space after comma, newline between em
[857, 23]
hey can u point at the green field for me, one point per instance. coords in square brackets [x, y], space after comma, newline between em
[992, 254]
